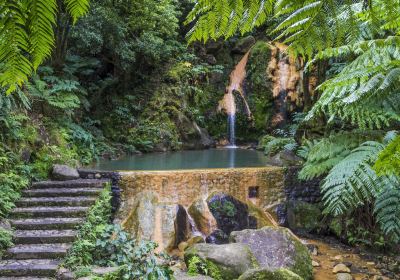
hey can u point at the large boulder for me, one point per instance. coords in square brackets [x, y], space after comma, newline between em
[167, 224]
[202, 217]
[227, 261]
[303, 216]
[232, 214]
[191, 134]
[64, 172]
[265, 274]
[276, 248]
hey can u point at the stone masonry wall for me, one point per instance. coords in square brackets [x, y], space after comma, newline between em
[263, 186]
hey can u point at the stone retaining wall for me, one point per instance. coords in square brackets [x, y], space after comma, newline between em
[263, 186]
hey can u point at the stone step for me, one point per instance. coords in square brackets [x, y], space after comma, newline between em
[44, 236]
[38, 251]
[48, 212]
[80, 183]
[30, 267]
[54, 192]
[56, 201]
[46, 223]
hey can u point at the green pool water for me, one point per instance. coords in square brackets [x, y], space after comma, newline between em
[203, 159]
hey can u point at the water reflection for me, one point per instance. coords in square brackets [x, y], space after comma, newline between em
[213, 158]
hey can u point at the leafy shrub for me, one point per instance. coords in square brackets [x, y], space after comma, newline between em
[5, 240]
[273, 145]
[104, 244]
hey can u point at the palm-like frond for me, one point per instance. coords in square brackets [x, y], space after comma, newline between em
[27, 37]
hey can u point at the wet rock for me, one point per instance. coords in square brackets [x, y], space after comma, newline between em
[303, 216]
[243, 45]
[341, 268]
[230, 213]
[313, 249]
[218, 237]
[64, 172]
[182, 246]
[263, 273]
[315, 264]
[344, 276]
[202, 217]
[275, 248]
[167, 224]
[180, 275]
[195, 240]
[228, 261]
[192, 135]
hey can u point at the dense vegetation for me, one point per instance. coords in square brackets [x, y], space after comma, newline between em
[359, 43]
[84, 80]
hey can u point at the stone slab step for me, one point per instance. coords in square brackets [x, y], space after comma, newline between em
[38, 251]
[30, 267]
[48, 212]
[44, 236]
[56, 201]
[54, 192]
[80, 183]
[46, 223]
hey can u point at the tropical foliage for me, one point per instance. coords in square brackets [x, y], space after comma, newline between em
[27, 35]
[359, 41]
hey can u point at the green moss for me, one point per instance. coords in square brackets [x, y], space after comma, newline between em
[204, 267]
[303, 266]
[304, 216]
[259, 85]
[263, 274]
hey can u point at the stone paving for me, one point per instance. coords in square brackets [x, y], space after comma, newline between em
[45, 222]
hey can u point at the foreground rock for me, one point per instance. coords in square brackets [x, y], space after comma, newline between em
[276, 248]
[227, 261]
[64, 172]
[265, 274]
[166, 224]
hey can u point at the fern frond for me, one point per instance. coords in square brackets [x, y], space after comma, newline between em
[27, 37]
[352, 181]
[387, 207]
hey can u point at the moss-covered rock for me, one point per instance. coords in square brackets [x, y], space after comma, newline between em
[221, 262]
[303, 216]
[259, 85]
[276, 248]
[265, 274]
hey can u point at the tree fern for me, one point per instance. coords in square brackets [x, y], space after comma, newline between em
[387, 207]
[27, 37]
[353, 182]
[324, 154]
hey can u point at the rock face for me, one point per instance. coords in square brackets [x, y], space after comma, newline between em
[166, 224]
[265, 274]
[244, 45]
[64, 172]
[192, 135]
[276, 248]
[303, 216]
[227, 261]
[202, 216]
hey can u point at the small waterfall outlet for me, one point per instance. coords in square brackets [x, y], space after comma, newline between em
[228, 103]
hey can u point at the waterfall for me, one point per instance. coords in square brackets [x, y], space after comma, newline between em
[231, 129]
[228, 103]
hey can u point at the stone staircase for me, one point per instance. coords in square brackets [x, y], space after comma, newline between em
[45, 222]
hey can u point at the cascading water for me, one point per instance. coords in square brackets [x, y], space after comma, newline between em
[228, 103]
[231, 130]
